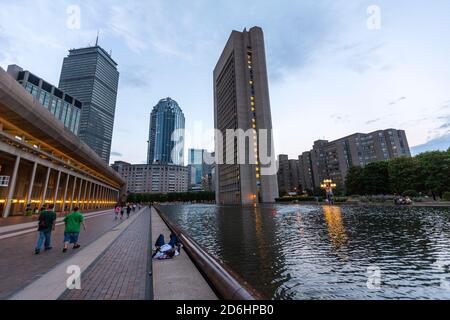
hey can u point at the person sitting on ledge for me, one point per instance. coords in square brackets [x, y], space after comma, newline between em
[167, 251]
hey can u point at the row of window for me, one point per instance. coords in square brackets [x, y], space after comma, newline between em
[67, 113]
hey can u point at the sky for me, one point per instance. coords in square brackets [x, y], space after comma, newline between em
[335, 67]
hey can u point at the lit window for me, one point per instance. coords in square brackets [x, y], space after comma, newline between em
[254, 126]
[253, 109]
[252, 98]
[252, 103]
[257, 176]
[250, 82]
[257, 169]
[253, 120]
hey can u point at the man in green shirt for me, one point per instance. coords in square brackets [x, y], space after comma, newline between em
[73, 221]
[46, 224]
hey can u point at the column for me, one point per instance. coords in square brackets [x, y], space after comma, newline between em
[94, 190]
[30, 188]
[55, 197]
[63, 208]
[88, 204]
[12, 186]
[84, 196]
[73, 193]
[79, 193]
[44, 193]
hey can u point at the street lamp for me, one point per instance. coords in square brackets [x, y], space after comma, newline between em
[328, 186]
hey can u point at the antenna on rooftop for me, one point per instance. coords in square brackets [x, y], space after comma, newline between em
[96, 41]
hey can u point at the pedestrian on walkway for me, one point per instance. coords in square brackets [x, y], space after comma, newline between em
[73, 221]
[122, 211]
[116, 212]
[46, 224]
[128, 211]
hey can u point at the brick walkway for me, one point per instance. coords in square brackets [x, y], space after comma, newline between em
[120, 273]
[19, 266]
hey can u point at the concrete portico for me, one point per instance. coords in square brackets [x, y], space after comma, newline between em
[41, 162]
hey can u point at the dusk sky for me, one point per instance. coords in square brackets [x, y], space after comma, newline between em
[330, 75]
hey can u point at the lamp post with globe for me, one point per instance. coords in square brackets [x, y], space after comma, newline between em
[328, 186]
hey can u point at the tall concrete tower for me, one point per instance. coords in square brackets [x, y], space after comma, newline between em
[90, 75]
[241, 101]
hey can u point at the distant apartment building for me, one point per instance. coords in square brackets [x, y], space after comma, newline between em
[166, 119]
[332, 160]
[154, 178]
[63, 106]
[288, 175]
[241, 101]
[90, 74]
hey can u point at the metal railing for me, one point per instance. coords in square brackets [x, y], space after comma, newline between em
[227, 284]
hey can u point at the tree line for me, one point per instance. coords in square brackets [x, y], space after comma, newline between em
[427, 174]
[171, 197]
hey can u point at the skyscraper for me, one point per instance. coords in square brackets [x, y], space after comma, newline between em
[166, 140]
[241, 101]
[91, 75]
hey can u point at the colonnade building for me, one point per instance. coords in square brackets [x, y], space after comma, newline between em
[43, 162]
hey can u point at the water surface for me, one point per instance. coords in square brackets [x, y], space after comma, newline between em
[329, 252]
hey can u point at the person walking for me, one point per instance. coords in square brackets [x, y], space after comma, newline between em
[46, 224]
[73, 221]
[122, 211]
[116, 211]
[128, 211]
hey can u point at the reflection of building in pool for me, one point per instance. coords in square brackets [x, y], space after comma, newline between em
[247, 237]
[335, 225]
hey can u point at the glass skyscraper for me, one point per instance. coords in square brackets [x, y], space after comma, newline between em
[91, 75]
[165, 120]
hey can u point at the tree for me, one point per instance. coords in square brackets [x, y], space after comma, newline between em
[404, 175]
[376, 178]
[354, 181]
[435, 171]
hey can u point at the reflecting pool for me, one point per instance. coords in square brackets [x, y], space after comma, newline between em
[328, 252]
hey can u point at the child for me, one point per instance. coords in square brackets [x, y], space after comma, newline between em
[72, 229]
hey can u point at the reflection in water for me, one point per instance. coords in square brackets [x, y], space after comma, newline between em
[336, 230]
[313, 252]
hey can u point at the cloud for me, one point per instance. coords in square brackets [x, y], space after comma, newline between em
[136, 76]
[397, 101]
[437, 144]
[373, 121]
[340, 117]
[116, 154]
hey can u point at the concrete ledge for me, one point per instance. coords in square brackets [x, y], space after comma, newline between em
[178, 278]
[53, 284]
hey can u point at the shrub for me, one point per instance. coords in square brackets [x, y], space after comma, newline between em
[446, 196]
[300, 199]
[411, 194]
[341, 199]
